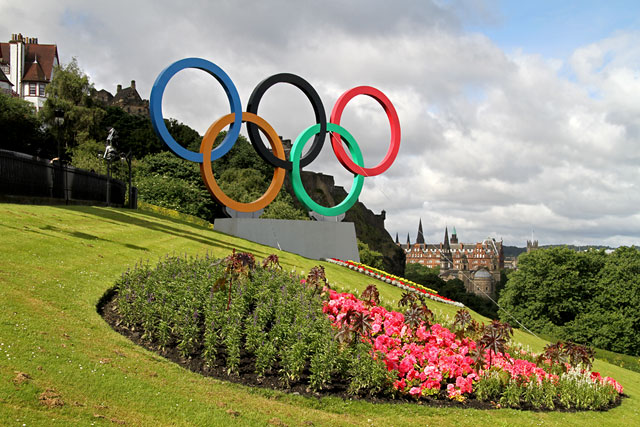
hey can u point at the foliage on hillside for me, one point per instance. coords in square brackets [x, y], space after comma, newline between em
[369, 256]
[589, 297]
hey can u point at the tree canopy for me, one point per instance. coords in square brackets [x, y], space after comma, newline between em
[20, 127]
[588, 297]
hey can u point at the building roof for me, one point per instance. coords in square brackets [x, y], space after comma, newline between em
[420, 238]
[34, 73]
[482, 274]
[446, 239]
[39, 60]
[127, 95]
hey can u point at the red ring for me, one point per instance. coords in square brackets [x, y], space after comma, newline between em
[394, 122]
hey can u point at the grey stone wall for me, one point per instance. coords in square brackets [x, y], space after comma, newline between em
[311, 239]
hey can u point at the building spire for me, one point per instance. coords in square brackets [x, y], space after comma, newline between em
[397, 241]
[408, 241]
[446, 260]
[446, 238]
[420, 238]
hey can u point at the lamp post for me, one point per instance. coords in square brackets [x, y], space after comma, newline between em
[58, 114]
[109, 154]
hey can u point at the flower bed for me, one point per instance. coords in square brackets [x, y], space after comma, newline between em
[429, 359]
[396, 281]
[245, 319]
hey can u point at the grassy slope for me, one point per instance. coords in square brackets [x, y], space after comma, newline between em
[56, 263]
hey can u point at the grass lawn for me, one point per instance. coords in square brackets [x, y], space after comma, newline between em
[57, 262]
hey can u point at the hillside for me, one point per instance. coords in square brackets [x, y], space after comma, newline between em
[57, 262]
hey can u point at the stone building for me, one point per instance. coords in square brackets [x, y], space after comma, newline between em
[128, 99]
[477, 264]
[26, 68]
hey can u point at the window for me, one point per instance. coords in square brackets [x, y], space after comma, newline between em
[32, 89]
[41, 89]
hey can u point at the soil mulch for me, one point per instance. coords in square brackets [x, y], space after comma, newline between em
[271, 380]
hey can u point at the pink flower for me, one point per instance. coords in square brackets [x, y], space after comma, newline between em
[414, 391]
[406, 364]
[429, 358]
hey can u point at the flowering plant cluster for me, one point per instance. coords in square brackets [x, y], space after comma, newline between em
[303, 333]
[425, 358]
[399, 282]
[428, 360]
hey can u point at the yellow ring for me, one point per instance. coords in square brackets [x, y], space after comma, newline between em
[207, 175]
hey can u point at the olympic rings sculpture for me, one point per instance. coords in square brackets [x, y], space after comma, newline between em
[276, 157]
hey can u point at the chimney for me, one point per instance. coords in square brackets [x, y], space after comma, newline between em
[119, 88]
[133, 84]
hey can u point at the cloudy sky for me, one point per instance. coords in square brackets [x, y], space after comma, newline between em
[517, 117]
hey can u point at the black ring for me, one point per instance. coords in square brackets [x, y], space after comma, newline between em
[318, 110]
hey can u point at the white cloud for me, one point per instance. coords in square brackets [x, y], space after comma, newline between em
[493, 144]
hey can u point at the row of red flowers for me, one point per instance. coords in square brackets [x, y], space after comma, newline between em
[427, 359]
[399, 282]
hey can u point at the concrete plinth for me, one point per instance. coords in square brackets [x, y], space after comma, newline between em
[311, 239]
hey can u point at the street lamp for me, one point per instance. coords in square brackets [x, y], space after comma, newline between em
[58, 114]
[110, 153]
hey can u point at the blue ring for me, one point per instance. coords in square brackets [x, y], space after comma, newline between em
[155, 107]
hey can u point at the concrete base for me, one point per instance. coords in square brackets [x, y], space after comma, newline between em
[311, 239]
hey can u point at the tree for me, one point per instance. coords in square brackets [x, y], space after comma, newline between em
[369, 256]
[20, 127]
[424, 275]
[241, 156]
[166, 180]
[135, 133]
[69, 93]
[551, 287]
[612, 318]
[242, 185]
[283, 207]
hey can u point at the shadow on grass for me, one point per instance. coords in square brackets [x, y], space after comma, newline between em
[189, 231]
[76, 234]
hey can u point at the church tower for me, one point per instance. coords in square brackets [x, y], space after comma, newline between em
[420, 238]
[446, 259]
[454, 237]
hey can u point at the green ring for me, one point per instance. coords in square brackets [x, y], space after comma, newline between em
[298, 188]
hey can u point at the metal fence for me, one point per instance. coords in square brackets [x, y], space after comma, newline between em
[30, 176]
